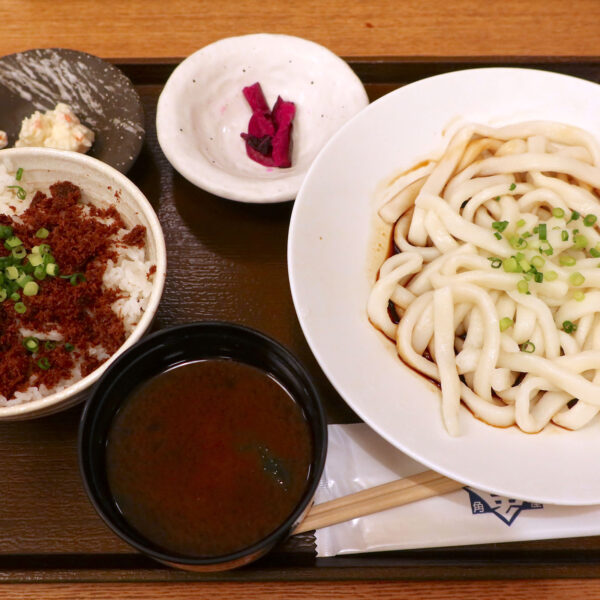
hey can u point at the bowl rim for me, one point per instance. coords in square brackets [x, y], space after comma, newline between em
[206, 176]
[94, 406]
[143, 204]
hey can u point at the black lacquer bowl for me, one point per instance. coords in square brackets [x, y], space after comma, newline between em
[158, 353]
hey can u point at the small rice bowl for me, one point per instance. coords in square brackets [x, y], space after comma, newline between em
[138, 273]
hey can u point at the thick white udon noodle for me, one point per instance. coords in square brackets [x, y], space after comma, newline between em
[449, 298]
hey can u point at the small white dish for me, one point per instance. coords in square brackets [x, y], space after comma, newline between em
[103, 186]
[331, 258]
[202, 112]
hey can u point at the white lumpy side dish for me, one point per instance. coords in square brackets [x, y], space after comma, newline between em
[497, 282]
[59, 128]
[129, 274]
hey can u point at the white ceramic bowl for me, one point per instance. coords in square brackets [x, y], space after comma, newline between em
[202, 111]
[332, 243]
[99, 183]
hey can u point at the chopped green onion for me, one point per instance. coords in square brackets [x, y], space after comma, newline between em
[12, 273]
[43, 363]
[559, 213]
[580, 241]
[524, 264]
[521, 223]
[497, 198]
[576, 279]
[19, 174]
[512, 186]
[517, 242]
[505, 323]
[539, 277]
[528, 347]
[589, 220]
[12, 242]
[19, 252]
[23, 279]
[31, 288]
[35, 260]
[6, 231]
[40, 272]
[574, 216]
[496, 262]
[527, 234]
[497, 236]
[510, 265]
[3, 294]
[52, 269]
[579, 296]
[42, 233]
[500, 225]
[49, 344]
[69, 347]
[31, 343]
[564, 235]
[538, 262]
[569, 326]
[566, 260]
[542, 231]
[523, 287]
[20, 308]
[77, 278]
[21, 193]
[594, 252]
[551, 275]
[546, 248]
[15, 297]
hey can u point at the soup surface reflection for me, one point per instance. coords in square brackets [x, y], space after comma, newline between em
[208, 458]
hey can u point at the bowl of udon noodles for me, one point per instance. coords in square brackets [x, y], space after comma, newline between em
[82, 270]
[444, 260]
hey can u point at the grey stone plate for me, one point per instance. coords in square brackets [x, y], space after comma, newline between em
[99, 93]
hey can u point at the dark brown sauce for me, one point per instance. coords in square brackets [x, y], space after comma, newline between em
[208, 458]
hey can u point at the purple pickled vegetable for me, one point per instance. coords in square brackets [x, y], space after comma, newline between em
[283, 115]
[269, 137]
[263, 145]
[256, 99]
[283, 112]
[256, 156]
[261, 124]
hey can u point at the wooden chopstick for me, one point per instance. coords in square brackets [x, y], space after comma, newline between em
[378, 498]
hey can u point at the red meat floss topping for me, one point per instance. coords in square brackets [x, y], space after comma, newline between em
[81, 242]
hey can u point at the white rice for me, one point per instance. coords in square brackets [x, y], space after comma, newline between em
[129, 274]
